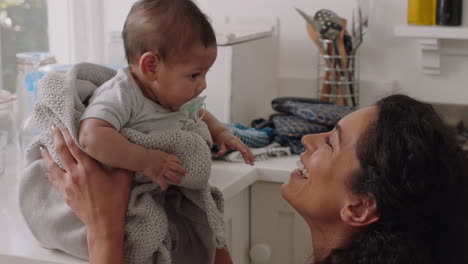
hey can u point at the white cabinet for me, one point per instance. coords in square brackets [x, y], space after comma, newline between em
[242, 81]
[429, 39]
[237, 221]
[276, 228]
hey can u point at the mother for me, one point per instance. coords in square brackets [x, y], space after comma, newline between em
[384, 186]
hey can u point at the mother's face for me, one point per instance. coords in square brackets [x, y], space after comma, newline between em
[329, 160]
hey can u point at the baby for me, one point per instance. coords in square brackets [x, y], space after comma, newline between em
[170, 45]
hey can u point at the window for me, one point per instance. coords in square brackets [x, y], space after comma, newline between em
[23, 28]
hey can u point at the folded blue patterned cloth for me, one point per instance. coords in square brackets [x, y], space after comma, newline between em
[295, 126]
[293, 143]
[253, 138]
[303, 116]
[312, 110]
[273, 150]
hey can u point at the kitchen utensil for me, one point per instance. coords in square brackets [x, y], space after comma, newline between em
[316, 39]
[334, 28]
[337, 81]
[330, 23]
[313, 28]
[330, 28]
[362, 26]
[353, 25]
[328, 86]
[340, 44]
[308, 19]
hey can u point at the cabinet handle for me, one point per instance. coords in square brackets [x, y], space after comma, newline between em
[260, 253]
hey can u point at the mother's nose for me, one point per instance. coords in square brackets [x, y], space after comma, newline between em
[308, 141]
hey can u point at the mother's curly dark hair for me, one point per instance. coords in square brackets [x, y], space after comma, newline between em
[413, 167]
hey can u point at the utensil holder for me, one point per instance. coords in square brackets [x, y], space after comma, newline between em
[338, 76]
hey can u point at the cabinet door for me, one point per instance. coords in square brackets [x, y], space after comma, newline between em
[277, 228]
[236, 220]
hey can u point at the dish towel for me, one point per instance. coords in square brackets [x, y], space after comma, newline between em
[274, 150]
[303, 116]
[182, 225]
[252, 137]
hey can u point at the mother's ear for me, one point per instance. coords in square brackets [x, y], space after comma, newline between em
[360, 211]
[149, 63]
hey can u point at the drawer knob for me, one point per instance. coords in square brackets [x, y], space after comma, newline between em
[260, 253]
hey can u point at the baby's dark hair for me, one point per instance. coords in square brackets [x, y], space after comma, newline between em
[167, 27]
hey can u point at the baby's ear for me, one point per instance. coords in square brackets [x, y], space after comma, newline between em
[148, 65]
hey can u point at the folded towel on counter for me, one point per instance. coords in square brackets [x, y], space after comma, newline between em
[302, 116]
[314, 111]
[273, 150]
[182, 225]
[290, 129]
[294, 144]
[295, 126]
[253, 138]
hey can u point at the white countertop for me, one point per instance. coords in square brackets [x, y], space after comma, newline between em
[231, 178]
[18, 246]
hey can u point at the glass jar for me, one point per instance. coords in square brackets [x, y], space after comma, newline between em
[29, 73]
[10, 148]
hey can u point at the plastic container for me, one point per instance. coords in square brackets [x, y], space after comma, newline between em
[28, 64]
[449, 12]
[422, 12]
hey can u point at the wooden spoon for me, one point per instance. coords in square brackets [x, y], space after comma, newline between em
[344, 63]
[326, 88]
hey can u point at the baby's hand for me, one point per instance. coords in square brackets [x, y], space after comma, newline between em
[162, 166]
[226, 140]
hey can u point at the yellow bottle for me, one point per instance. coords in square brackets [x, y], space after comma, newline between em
[422, 12]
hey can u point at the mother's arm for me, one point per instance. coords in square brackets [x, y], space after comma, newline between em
[99, 197]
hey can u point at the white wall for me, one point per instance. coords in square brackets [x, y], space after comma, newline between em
[115, 13]
[388, 63]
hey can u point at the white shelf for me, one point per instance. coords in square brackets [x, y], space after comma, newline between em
[432, 32]
[429, 38]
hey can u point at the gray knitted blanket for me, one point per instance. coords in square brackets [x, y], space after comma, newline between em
[182, 225]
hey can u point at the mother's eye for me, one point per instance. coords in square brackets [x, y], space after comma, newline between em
[327, 140]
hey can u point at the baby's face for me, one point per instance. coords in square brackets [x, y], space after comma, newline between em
[180, 82]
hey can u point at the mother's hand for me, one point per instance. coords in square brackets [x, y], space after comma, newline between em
[99, 197]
